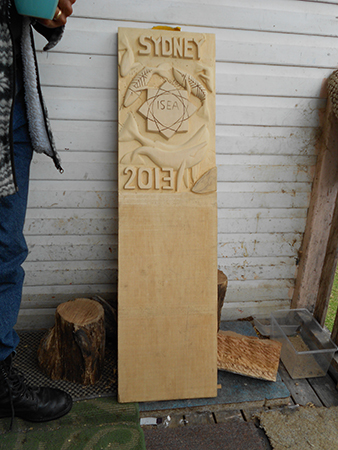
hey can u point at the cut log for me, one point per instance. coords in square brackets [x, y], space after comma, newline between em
[222, 284]
[74, 348]
[250, 356]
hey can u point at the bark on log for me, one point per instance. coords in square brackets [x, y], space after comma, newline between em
[110, 319]
[250, 356]
[222, 284]
[74, 348]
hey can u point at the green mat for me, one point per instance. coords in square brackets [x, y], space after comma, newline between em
[101, 423]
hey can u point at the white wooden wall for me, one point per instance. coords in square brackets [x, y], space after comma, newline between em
[272, 59]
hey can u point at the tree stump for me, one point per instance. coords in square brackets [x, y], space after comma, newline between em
[222, 284]
[74, 348]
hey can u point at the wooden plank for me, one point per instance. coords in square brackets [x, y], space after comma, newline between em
[276, 16]
[82, 195]
[69, 221]
[328, 273]
[43, 248]
[101, 104]
[263, 168]
[238, 269]
[226, 414]
[265, 140]
[245, 309]
[326, 390]
[243, 245]
[231, 78]
[238, 46]
[321, 211]
[83, 136]
[263, 200]
[300, 390]
[256, 290]
[230, 140]
[167, 232]
[250, 356]
[34, 300]
[259, 224]
[76, 277]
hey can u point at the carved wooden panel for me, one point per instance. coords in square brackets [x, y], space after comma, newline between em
[167, 283]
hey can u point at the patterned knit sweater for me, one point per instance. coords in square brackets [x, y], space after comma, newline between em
[38, 123]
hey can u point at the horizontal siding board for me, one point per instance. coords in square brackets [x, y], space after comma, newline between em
[245, 140]
[258, 245]
[253, 79]
[259, 225]
[264, 268]
[92, 171]
[102, 136]
[236, 46]
[263, 200]
[101, 104]
[283, 16]
[77, 135]
[240, 310]
[72, 248]
[91, 276]
[231, 78]
[34, 299]
[257, 290]
[33, 292]
[69, 226]
[268, 111]
[264, 173]
[78, 197]
[82, 199]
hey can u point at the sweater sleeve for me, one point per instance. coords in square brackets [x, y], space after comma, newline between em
[53, 35]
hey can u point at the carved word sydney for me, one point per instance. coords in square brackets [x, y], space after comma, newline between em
[175, 47]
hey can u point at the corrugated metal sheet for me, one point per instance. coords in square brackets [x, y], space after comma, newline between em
[272, 60]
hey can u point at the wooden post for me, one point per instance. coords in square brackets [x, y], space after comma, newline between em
[74, 348]
[328, 271]
[321, 211]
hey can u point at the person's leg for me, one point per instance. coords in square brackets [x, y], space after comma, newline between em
[13, 249]
[35, 404]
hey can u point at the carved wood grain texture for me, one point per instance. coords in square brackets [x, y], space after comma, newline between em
[167, 241]
[250, 356]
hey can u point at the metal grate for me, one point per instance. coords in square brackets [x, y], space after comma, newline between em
[26, 362]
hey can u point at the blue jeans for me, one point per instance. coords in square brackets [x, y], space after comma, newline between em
[13, 248]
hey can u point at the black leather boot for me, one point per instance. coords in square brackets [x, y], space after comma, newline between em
[35, 404]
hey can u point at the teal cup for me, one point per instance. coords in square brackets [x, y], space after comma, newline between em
[43, 9]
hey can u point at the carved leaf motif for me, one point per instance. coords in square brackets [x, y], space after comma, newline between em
[207, 183]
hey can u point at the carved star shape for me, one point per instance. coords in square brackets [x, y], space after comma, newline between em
[167, 110]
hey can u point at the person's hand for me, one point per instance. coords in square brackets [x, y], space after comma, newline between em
[63, 10]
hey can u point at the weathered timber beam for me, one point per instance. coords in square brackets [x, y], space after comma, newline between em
[320, 215]
[328, 271]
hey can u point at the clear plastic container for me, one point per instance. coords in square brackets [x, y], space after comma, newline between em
[307, 349]
[263, 324]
